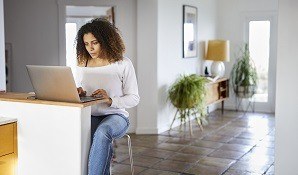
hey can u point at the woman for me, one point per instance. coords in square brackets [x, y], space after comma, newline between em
[104, 72]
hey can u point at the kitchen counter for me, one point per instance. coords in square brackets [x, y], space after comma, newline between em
[53, 137]
[29, 98]
[5, 120]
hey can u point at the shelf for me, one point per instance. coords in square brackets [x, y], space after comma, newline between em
[218, 91]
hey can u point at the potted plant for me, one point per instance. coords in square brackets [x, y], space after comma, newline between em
[187, 95]
[244, 75]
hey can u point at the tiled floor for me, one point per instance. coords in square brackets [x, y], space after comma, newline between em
[232, 144]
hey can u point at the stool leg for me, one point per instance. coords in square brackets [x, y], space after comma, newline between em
[112, 160]
[130, 153]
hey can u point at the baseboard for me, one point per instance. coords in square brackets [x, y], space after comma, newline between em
[147, 131]
[229, 107]
[160, 129]
[166, 128]
[233, 108]
[131, 130]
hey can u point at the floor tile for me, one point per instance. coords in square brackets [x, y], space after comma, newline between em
[157, 172]
[232, 144]
[250, 167]
[206, 144]
[269, 138]
[157, 153]
[121, 169]
[143, 143]
[143, 161]
[123, 149]
[189, 158]
[227, 131]
[239, 172]
[243, 141]
[260, 159]
[235, 147]
[196, 150]
[206, 170]
[217, 162]
[227, 154]
[120, 157]
[171, 165]
[263, 151]
[255, 136]
[270, 171]
[218, 138]
[169, 146]
[266, 144]
[154, 138]
[182, 141]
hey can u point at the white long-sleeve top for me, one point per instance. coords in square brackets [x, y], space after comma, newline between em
[117, 79]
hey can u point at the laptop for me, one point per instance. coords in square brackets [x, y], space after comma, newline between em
[55, 83]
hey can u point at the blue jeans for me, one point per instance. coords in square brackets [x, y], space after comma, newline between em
[104, 129]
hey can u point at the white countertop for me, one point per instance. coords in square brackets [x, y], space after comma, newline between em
[25, 98]
[5, 120]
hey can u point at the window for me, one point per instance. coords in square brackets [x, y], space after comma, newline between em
[259, 46]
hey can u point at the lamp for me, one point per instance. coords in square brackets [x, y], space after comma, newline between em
[218, 51]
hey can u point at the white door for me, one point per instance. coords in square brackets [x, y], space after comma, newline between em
[261, 34]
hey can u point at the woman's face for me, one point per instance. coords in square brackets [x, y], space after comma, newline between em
[92, 45]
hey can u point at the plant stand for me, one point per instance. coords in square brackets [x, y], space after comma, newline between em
[189, 122]
[251, 104]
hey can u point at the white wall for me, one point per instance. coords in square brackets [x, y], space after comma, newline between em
[160, 59]
[147, 65]
[32, 28]
[231, 16]
[170, 62]
[2, 47]
[286, 98]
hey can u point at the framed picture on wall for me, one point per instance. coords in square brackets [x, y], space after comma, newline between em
[190, 48]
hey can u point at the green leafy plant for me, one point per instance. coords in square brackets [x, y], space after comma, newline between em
[244, 75]
[187, 95]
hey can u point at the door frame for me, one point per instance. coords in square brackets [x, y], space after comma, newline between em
[62, 20]
[272, 17]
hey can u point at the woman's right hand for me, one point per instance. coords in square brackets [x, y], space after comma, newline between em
[81, 92]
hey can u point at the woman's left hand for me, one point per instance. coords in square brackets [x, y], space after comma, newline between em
[101, 93]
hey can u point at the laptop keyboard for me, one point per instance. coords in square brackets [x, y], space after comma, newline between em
[88, 98]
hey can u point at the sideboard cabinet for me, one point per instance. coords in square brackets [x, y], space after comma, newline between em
[218, 91]
[8, 148]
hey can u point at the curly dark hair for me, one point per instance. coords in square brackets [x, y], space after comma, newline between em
[108, 37]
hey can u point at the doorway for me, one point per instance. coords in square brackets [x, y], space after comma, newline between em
[77, 16]
[261, 34]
